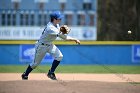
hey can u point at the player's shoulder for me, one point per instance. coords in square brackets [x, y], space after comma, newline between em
[51, 27]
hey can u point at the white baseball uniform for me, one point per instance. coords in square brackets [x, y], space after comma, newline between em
[44, 44]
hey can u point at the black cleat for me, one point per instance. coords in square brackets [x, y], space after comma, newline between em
[24, 77]
[51, 75]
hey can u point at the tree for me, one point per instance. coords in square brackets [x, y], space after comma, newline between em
[116, 17]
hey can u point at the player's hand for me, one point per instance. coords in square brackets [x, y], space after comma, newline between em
[77, 41]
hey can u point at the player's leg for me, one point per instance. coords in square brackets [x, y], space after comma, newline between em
[40, 51]
[26, 73]
[56, 53]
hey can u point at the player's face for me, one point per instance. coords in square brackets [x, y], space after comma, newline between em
[57, 21]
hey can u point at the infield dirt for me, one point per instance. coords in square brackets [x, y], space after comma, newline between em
[70, 83]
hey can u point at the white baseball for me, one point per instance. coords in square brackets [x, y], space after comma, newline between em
[129, 32]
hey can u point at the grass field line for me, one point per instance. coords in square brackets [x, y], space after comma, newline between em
[75, 77]
[102, 69]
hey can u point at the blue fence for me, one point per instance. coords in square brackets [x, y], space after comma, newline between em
[75, 54]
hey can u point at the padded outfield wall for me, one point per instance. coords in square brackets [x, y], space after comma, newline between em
[110, 53]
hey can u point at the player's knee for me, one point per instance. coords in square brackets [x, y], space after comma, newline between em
[59, 58]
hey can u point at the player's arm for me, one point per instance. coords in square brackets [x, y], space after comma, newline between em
[68, 38]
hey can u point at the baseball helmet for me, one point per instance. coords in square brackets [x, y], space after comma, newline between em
[56, 15]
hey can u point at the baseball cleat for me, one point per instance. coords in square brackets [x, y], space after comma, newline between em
[24, 77]
[51, 75]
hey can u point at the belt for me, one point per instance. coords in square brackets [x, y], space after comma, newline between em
[44, 44]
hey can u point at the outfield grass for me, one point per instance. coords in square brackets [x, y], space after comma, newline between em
[74, 69]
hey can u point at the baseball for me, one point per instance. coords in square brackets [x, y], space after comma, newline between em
[129, 32]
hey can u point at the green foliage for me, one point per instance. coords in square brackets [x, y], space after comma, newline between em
[116, 17]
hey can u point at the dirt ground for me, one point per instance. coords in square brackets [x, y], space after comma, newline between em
[70, 83]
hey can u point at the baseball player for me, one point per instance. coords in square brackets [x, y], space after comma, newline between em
[45, 45]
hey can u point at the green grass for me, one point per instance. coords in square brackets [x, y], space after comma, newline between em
[74, 69]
